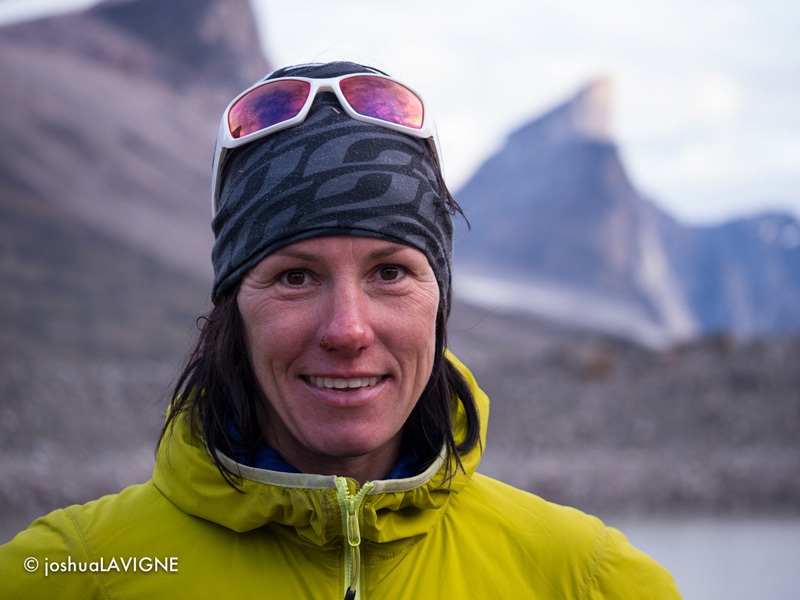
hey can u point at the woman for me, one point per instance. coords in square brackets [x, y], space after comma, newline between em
[322, 442]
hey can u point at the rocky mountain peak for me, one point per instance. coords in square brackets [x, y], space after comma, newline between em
[586, 117]
[178, 42]
[207, 36]
[590, 110]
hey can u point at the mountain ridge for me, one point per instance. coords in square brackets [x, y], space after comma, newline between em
[84, 95]
[558, 211]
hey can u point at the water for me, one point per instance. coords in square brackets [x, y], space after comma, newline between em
[716, 559]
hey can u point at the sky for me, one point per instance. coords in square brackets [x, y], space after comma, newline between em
[706, 93]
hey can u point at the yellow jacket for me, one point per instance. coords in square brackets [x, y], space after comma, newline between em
[188, 534]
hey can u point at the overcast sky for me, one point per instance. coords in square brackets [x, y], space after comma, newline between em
[706, 92]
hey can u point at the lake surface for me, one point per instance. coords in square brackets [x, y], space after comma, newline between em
[720, 559]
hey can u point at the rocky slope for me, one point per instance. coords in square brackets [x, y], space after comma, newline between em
[93, 331]
[709, 427]
[112, 113]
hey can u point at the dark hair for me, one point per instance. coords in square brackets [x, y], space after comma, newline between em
[219, 394]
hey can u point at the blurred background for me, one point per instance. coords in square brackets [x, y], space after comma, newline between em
[628, 295]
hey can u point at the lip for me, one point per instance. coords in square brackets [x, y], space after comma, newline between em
[346, 397]
[343, 383]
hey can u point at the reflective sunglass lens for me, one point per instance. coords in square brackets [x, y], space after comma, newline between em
[383, 99]
[267, 105]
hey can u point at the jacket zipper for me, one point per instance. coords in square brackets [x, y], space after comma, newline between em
[349, 506]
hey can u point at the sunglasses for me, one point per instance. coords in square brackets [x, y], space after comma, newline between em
[276, 104]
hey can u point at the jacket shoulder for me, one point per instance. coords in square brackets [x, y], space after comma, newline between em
[570, 550]
[43, 560]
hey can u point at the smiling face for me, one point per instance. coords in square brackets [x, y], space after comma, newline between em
[341, 334]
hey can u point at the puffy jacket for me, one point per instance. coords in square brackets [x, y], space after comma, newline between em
[188, 534]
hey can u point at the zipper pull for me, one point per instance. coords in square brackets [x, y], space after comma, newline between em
[350, 505]
[354, 540]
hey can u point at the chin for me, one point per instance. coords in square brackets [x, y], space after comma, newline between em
[349, 444]
[350, 449]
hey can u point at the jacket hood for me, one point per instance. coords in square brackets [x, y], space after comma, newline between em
[305, 503]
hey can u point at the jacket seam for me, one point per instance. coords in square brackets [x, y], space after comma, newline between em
[403, 550]
[85, 546]
[597, 559]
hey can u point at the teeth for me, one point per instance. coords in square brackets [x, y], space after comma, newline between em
[342, 384]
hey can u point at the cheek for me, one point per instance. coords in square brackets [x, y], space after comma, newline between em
[417, 329]
[287, 338]
[272, 336]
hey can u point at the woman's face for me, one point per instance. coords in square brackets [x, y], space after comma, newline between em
[341, 334]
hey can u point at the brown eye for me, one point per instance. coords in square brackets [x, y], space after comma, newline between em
[389, 273]
[295, 278]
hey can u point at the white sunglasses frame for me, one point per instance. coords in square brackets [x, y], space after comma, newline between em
[226, 141]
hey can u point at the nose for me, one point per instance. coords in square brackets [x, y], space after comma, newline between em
[346, 327]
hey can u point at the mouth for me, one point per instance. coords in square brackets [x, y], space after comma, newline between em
[336, 383]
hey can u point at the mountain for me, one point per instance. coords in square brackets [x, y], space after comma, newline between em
[561, 231]
[742, 276]
[111, 114]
